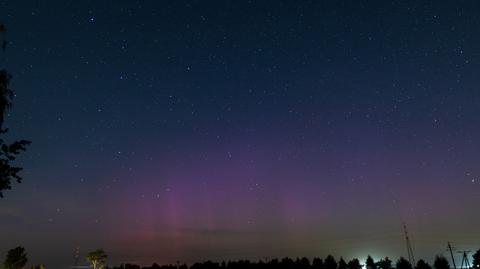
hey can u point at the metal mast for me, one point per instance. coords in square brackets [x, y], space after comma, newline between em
[411, 257]
[451, 254]
[465, 261]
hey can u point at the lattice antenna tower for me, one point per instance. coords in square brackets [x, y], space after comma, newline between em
[465, 261]
[411, 257]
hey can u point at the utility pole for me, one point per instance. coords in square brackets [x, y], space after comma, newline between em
[465, 260]
[451, 254]
[411, 258]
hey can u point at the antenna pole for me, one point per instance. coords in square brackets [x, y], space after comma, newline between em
[451, 254]
[411, 257]
[465, 260]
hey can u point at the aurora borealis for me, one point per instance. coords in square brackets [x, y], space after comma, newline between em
[191, 130]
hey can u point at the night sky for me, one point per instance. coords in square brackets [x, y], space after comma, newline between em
[191, 130]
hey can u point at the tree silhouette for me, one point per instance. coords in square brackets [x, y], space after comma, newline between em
[385, 263]
[303, 263]
[441, 263]
[128, 266]
[354, 264]
[288, 263]
[2, 31]
[40, 266]
[8, 152]
[16, 258]
[402, 263]
[155, 266]
[330, 262]
[317, 263]
[476, 259]
[97, 258]
[421, 264]
[370, 263]
[342, 264]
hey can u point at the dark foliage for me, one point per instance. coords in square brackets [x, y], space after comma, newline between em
[3, 30]
[441, 263]
[8, 152]
[342, 264]
[370, 263]
[354, 264]
[421, 264]
[384, 263]
[317, 263]
[330, 262]
[476, 259]
[16, 258]
[285, 263]
[304, 263]
[9, 172]
[402, 263]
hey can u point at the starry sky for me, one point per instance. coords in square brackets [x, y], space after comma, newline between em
[190, 130]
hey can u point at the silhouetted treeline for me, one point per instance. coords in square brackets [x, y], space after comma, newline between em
[329, 262]
[9, 173]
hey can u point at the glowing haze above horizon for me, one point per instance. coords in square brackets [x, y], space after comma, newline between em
[169, 131]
